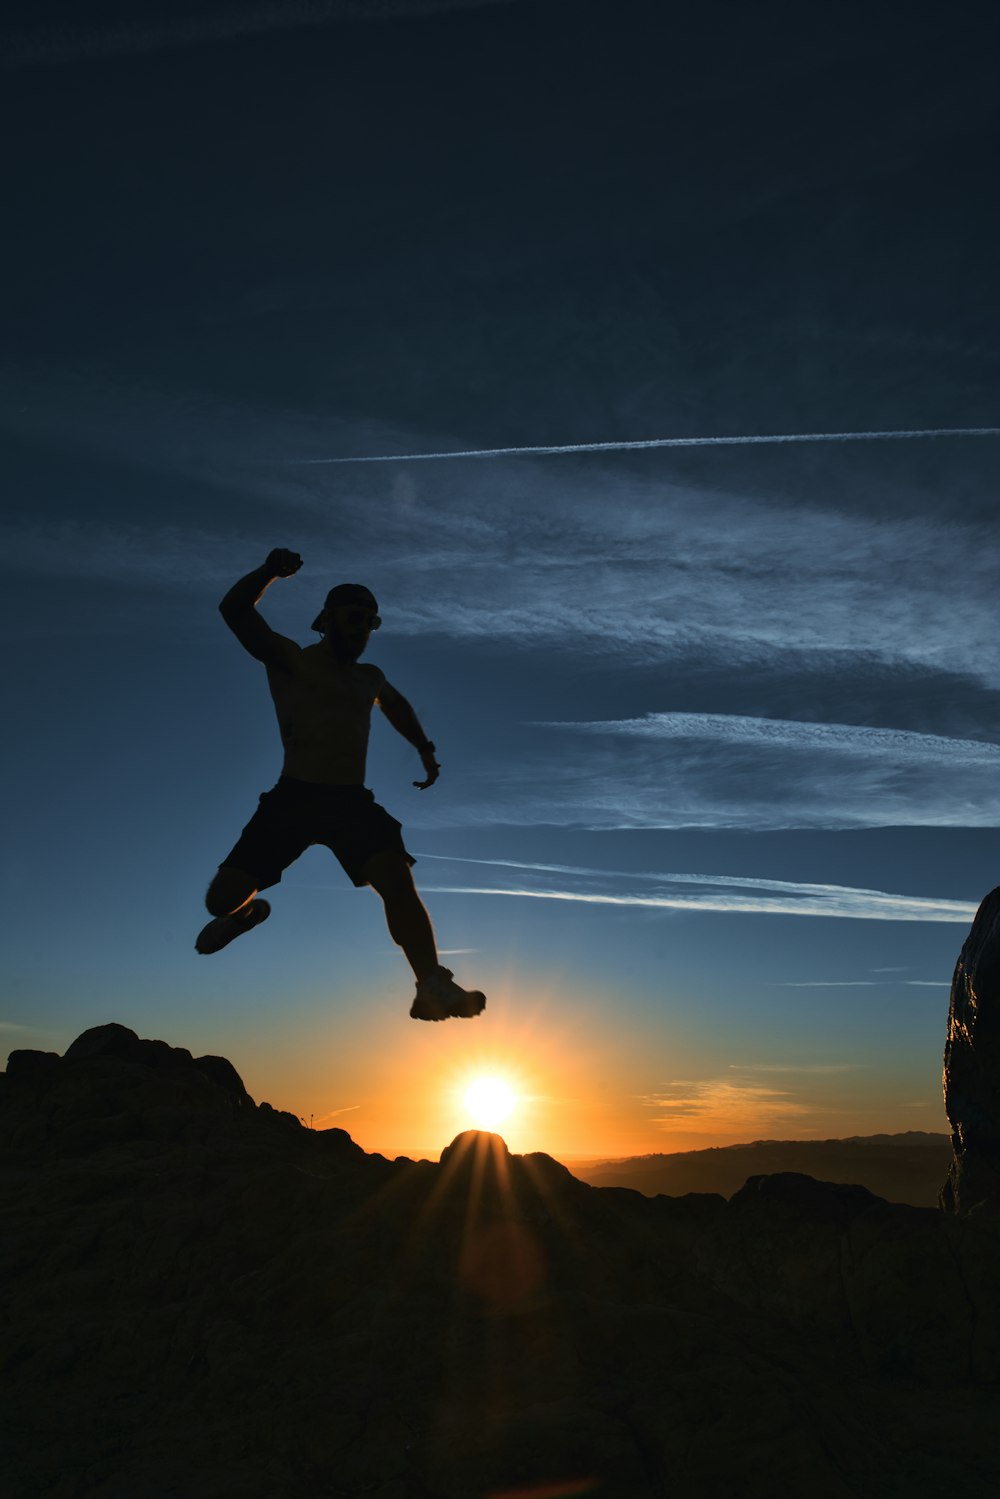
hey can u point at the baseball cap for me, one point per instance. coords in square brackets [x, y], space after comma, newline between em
[348, 593]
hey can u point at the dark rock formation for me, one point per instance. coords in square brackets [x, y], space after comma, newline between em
[972, 1068]
[205, 1299]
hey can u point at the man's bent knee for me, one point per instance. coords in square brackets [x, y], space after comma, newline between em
[389, 873]
[230, 890]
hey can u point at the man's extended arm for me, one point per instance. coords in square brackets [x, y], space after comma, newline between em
[239, 607]
[404, 720]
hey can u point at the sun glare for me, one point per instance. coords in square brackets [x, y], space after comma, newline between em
[489, 1100]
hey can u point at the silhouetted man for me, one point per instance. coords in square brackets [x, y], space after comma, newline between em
[324, 699]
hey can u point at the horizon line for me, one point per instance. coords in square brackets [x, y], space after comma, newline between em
[744, 440]
[609, 1160]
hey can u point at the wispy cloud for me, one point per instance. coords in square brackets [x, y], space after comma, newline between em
[350, 1108]
[746, 440]
[720, 893]
[670, 575]
[594, 560]
[862, 983]
[817, 1068]
[710, 786]
[830, 738]
[858, 905]
[722, 1104]
[796, 777]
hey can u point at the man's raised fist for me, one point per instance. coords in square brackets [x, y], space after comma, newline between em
[281, 563]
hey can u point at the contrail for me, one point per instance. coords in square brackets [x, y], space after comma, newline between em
[663, 442]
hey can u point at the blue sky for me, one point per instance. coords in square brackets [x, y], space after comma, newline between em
[719, 725]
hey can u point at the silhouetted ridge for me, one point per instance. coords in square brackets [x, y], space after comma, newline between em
[206, 1298]
[902, 1168]
[112, 1086]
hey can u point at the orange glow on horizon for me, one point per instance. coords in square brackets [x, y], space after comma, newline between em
[568, 1089]
[586, 1086]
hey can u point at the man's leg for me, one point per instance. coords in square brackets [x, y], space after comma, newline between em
[405, 913]
[438, 996]
[230, 900]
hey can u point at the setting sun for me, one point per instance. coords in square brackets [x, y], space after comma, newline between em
[489, 1100]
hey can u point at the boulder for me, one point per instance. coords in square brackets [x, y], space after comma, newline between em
[972, 1068]
[110, 1086]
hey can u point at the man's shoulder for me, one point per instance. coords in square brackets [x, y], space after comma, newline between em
[373, 672]
[281, 654]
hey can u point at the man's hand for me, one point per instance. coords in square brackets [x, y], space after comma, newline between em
[431, 767]
[281, 563]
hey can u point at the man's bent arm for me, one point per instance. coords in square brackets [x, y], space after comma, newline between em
[239, 607]
[405, 721]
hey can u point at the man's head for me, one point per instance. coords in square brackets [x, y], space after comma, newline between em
[347, 619]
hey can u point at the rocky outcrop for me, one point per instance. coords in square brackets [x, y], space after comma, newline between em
[972, 1068]
[206, 1299]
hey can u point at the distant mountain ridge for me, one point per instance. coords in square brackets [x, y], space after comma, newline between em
[910, 1167]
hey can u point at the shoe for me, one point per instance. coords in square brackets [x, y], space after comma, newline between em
[223, 929]
[440, 998]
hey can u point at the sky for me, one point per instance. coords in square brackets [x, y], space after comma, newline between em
[719, 723]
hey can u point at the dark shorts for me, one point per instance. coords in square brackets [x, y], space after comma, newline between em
[295, 814]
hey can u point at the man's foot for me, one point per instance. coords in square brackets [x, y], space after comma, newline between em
[220, 932]
[440, 998]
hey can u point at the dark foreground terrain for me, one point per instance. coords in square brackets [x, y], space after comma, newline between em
[902, 1168]
[203, 1298]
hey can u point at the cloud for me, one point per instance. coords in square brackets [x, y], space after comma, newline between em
[334, 1114]
[722, 1104]
[643, 783]
[712, 770]
[747, 440]
[594, 568]
[862, 905]
[735, 894]
[803, 1067]
[595, 560]
[863, 983]
[833, 738]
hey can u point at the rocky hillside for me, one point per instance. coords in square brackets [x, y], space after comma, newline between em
[205, 1300]
[911, 1167]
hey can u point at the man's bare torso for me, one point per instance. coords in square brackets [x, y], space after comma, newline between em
[324, 715]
